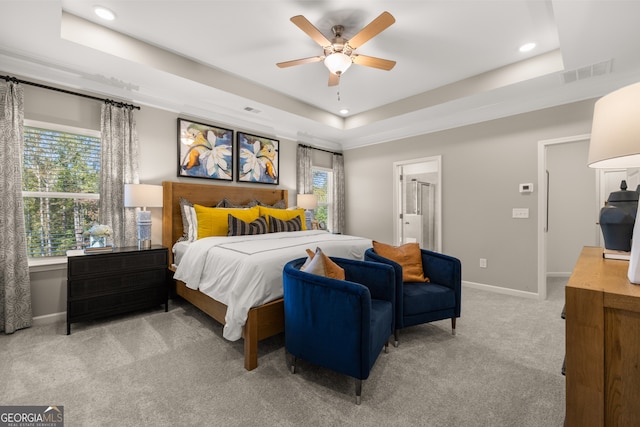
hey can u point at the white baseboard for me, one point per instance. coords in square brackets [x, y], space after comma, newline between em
[559, 274]
[50, 318]
[499, 290]
[62, 316]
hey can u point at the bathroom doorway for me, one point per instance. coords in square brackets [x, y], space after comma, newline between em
[417, 202]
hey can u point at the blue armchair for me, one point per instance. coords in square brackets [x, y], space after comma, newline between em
[418, 303]
[339, 324]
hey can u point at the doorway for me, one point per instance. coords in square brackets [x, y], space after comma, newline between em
[417, 202]
[568, 206]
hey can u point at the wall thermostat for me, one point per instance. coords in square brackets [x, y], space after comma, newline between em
[526, 188]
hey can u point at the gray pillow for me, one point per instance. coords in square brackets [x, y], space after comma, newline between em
[238, 227]
[278, 225]
[225, 203]
[278, 205]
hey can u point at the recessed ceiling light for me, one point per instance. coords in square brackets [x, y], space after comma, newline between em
[104, 13]
[527, 47]
[344, 111]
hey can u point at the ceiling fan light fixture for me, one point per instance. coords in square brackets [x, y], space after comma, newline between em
[337, 62]
[338, 53]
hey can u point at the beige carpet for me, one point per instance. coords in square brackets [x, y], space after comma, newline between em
[175, 369]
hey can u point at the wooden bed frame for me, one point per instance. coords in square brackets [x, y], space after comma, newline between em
[263, 321]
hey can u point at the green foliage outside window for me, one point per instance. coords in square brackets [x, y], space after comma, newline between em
[321, 190]
[66, 165]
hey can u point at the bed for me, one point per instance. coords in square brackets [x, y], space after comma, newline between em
[261, 316]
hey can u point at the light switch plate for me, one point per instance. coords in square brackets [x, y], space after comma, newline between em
[520, 213]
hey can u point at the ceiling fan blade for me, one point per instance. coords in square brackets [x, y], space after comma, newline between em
[306, 26]
[334, 79]
[370, 61]
[381, 23]
[300, 61]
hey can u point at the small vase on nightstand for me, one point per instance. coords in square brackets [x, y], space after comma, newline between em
[97, 241]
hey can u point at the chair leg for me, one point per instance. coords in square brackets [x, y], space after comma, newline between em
[396, 335]
[386, 347]
[453, 326]
[358, 391]
[292, 364]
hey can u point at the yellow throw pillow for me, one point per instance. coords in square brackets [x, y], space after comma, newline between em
[215, 222]
[322, 265]
[408, 256]
[284, 214]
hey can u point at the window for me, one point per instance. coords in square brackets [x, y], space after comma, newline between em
[60, 181]
[323, 189]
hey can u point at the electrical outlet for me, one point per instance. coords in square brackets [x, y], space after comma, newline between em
[483, 263]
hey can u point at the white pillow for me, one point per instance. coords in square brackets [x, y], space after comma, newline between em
[310, 255]
[314, 265]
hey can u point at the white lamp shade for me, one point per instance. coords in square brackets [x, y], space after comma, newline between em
[615, 133]
[142, 196]
[337, 62]
[615, 143]
[307, 201]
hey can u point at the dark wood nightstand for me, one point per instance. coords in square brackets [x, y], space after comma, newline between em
[107, 283]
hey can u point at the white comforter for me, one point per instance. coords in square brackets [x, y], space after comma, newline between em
[246, 271]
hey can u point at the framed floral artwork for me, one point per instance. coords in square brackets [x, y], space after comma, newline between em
[204, 151]
[258, 159]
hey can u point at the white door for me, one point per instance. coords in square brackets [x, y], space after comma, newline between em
[572, 212]
[567, 206]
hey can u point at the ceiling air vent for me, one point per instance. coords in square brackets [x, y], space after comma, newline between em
[594, 70]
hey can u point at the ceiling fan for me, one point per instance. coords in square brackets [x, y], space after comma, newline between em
[339, 53]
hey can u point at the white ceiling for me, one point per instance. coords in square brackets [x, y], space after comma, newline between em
[457, 61]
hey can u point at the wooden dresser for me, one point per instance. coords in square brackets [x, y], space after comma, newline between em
[602, 343]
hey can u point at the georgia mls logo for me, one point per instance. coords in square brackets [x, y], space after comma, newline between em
[54, 408]
[31, 416]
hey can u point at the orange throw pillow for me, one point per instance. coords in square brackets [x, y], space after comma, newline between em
[408, 256]
[332, 269]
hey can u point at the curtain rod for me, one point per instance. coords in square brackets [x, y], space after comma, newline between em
[105, 100]
[320, 149]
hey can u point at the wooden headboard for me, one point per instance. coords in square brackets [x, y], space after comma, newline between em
[206, 195]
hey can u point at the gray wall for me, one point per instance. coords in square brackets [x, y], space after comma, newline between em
[482, 166]
[157, 134]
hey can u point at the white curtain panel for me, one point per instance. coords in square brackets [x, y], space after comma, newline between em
[119, 161]
[304, 176]
[15, 287]
[339, 221]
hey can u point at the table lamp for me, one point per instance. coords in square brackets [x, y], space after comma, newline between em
[308, 202]
[615, 143]
[143, 196]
